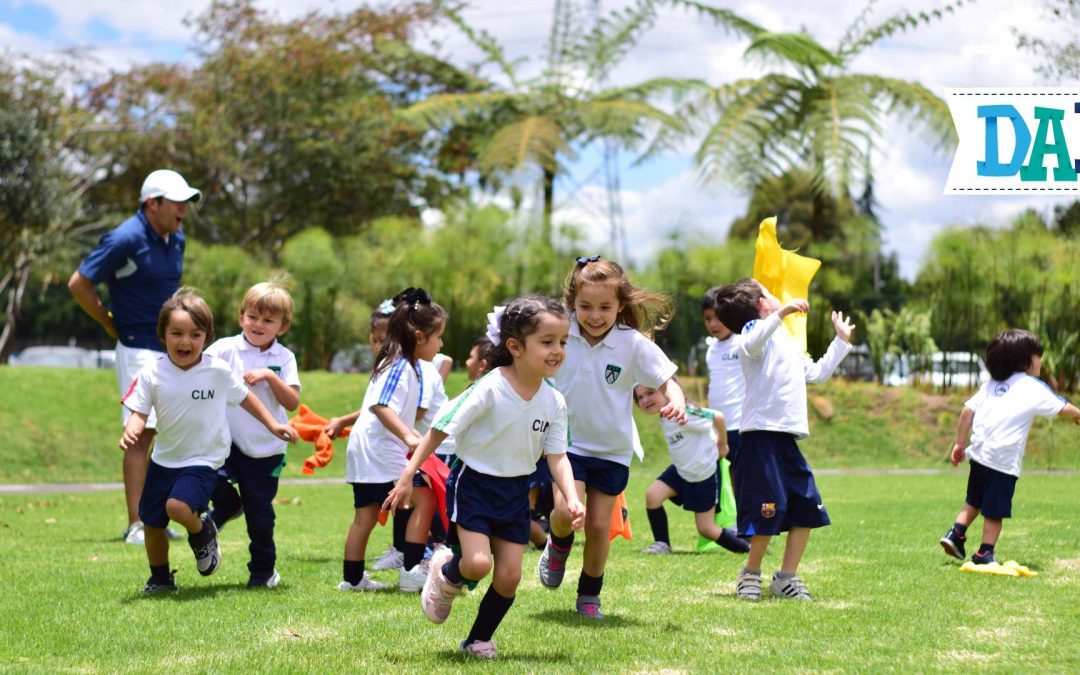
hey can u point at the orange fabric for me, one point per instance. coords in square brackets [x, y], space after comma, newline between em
[620, 519]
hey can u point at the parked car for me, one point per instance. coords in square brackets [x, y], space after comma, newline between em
[64, 357]
[965, 370]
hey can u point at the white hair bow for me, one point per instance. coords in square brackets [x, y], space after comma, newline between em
[493, 331]
[386, 307]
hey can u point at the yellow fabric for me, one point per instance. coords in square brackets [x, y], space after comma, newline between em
[1008, 569]
[785, 274]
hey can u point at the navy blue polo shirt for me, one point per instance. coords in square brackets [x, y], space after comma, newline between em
[142, 270]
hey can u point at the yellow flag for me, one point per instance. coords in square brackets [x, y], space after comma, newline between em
[786, 274]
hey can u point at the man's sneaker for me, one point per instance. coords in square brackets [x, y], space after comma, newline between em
[731, 541]
[657, 548]
[152, 586]
[207, 555]
[792, 588]
[953, 543]
[393, 559]
[265, 582]
[588, 606]
[478, 649]
[983, 558]
[412, 580]
[552, 565]
[366, 584]
[749, 585]
[438, 595]
[134, 534]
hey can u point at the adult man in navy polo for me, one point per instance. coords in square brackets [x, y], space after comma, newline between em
[141, 262]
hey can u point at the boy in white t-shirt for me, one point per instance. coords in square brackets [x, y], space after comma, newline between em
[727, 386]
[190, 391]
[998, 419]
[257, 457]
[775, 489]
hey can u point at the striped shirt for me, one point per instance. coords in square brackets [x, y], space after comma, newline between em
[374, 453]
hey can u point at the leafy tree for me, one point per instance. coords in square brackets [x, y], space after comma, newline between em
[1060, 60]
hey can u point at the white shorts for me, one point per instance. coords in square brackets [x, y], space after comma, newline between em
[129, 361]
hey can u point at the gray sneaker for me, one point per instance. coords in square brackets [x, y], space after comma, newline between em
[552, 565]
[792, 588]
[479, 650]
[748, 586]
[393, 559]
[588, 606]
[134, 534]
[657, 548]
[367, 584]
[208, 555]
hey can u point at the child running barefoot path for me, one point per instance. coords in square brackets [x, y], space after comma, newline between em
[998, 419]
[257, 457]
[190, 391]
[503, 424]
[774, 487]
[606, 355]
[382, 437]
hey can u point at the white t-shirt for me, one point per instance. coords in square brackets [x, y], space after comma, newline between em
[191, 426]
[248, 433]
[776, 372]
[726, 383]
[374, 453]
[499, 433]
[432, 394]
[598, 384]
[1004, 412]
[693, 445]
[438, 360]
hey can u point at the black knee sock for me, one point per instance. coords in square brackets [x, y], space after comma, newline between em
[159, 574]
[587, 585]
[354, 571]
[658, 523]
[401, 522]
[414, 553]
[563, 542]
[438, 532]
[225, 501]
[986, 548]
[730, 540]
[200, 537]
[452, 570]
[960, 529]
[492, 610]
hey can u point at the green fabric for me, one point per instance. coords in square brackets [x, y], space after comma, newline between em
[725, 517]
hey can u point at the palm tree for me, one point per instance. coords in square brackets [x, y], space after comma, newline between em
[536, 124]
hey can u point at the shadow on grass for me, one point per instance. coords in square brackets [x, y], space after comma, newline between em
[571, 618]
[185, 594]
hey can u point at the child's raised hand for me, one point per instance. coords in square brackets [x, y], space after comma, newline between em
[284, 432]
[957, 454]
[674, 412]
[843, 325]
[577, 513]
[795, 305]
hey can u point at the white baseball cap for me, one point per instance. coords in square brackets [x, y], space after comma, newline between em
[170, 185]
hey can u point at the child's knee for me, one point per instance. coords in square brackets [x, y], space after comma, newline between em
[476, 565]
[177, 509]
[506, 580]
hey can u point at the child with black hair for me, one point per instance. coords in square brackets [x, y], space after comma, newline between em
[998, 419]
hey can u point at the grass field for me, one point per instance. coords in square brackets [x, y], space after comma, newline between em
[887, 598]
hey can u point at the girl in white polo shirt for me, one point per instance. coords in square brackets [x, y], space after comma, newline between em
[190, 391]
[503, 424]
[606, 354]
[383, 436]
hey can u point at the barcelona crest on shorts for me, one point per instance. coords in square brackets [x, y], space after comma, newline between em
[612, 373]
[768, 510]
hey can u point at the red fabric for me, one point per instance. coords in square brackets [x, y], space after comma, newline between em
[437, 473]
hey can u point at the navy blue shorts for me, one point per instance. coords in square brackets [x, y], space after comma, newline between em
[990, 490]
[774, 486]
[604, 475]
[192, 485]
[366, 494]
[734, 442]
[542, 475]
[491, 505]
[698, 497]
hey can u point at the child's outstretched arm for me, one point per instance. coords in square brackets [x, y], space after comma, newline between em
[563, 477]
[133, 428]
[822, 369]
[256, 409]
[1072, 412]
[676, 405]
[720, 425]
[401, 494]
[288, 396]
[758, 338]
[963, 432]
[393, 423]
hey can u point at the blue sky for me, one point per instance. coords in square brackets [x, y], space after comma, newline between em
[975, 47]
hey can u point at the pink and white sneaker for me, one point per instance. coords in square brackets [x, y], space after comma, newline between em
[437, 596]
[478, 649]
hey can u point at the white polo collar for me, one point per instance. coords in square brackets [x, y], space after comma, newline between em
[274, 349]
[612, 340]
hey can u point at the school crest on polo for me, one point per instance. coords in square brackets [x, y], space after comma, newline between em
[611, 374]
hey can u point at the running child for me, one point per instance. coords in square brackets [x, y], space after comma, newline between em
[726, 383]
[606, 355]
[774, 487]
[190, 391]
[998, 419]
[257, 457]
[691, 481]
[382, 437]
[506, 421]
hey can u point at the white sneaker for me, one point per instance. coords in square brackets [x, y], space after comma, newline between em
[272, 582]
[749, 585]
[792, 588]
[412, 580]
[657, 548]
[393, 559]
[134, 534]
[479, 650]
[438, 596]
[366, 584]
[173, 534]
